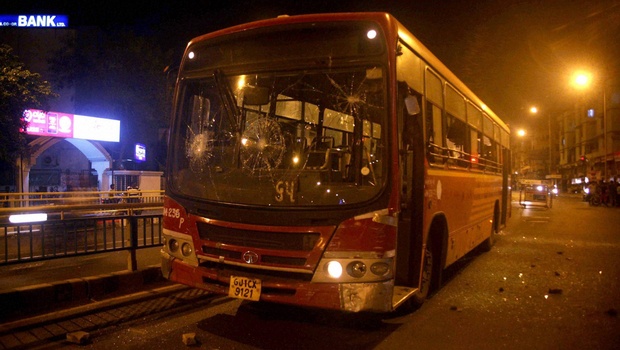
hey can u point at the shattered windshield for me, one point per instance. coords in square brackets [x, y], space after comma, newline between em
[288, 139]
[290, 115]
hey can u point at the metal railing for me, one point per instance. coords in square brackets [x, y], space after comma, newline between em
[79, 223]
[72, 199]
[452, 158]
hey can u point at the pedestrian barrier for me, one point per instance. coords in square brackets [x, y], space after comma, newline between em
[11, 201]
[87, 225]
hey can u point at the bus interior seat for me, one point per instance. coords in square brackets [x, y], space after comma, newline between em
[323, 143]
[318, 160]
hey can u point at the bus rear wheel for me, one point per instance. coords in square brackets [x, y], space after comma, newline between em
[488, 243]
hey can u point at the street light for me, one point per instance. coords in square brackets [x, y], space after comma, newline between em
[581, 79]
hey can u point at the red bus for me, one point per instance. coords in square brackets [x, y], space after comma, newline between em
[327, 161]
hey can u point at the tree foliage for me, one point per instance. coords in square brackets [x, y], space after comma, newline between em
[19, 89]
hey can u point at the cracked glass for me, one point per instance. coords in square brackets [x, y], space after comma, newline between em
[269, 135]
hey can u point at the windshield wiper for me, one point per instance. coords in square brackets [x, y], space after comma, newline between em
[228, 99]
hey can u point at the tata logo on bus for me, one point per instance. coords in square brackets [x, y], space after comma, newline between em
[34, 21]
[250, 257]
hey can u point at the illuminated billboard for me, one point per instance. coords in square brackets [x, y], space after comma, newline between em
[140, 155]
[34, 21]
[57, 124]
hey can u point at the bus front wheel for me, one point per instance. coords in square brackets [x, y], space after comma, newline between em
[427, 274]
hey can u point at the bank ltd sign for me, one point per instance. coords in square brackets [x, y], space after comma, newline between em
[34, 21]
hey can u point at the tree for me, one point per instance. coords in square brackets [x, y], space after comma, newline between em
[19, 89]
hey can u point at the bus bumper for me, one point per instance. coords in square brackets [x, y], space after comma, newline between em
[350, 297]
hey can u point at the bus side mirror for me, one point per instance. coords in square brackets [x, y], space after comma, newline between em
[255, 95]
[412, 105]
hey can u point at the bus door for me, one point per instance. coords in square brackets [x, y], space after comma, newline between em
[411, 163]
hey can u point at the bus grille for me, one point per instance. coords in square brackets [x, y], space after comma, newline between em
[296, 241]
[264, 275]
[269, 259]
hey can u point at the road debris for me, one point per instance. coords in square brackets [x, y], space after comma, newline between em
[79, 337]
[189, 339]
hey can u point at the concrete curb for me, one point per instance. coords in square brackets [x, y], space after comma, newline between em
[46, 297]
[76, 311]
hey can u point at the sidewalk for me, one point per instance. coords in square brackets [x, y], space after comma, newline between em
[48, 271]
[36, 288]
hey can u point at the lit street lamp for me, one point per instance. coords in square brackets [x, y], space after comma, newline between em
[581, 79]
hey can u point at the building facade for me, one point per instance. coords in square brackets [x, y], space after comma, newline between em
[589, 137]
[573, 146]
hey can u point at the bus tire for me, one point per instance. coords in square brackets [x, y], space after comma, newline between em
[427, 275]
[488, 243]
[431, 269]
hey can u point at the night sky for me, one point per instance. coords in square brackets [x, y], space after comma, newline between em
[513, 53]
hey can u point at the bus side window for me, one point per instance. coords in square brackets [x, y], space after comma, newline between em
[456, 136]
[488, 159]
[412, 105]
[475, 138]
[412, 108]
[434, 134]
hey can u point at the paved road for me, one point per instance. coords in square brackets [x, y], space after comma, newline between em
[551, 282]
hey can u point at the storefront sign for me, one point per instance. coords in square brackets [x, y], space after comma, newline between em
[34, 21]
[140, 152]
[57, 124]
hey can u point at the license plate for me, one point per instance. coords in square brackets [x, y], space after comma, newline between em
[244, 288]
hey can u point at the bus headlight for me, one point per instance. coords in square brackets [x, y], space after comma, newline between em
[334, 269]
[356, 269]
[179, 246]
[353, 270]
[173, 245]
[380, 268]
[186, 249]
